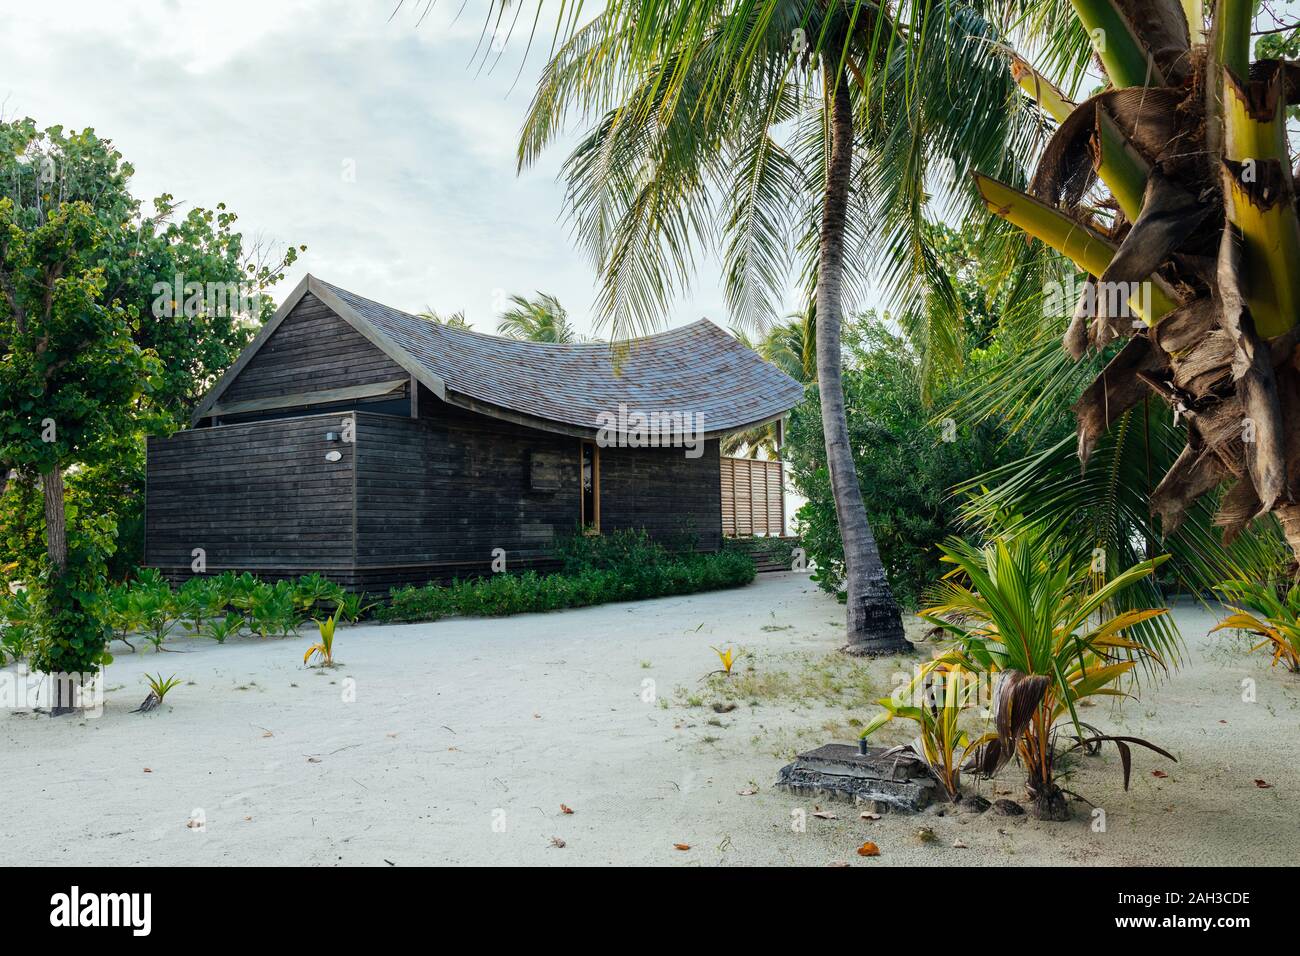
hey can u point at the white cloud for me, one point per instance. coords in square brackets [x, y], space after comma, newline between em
[259, 105]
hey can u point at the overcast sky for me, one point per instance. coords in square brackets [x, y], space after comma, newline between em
[263, 105]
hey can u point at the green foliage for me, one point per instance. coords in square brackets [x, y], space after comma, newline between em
[313, 589]
[905, 466]
[352, 606]
[221, 628]
[622, 566]
[153, 354]
[1024, 608]
[160, 685]
[540, 319]
[1269, 608]
[324, 648]
[17, 626]
[936, 699]
[73, 629]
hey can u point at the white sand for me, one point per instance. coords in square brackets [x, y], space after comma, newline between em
[462, 723]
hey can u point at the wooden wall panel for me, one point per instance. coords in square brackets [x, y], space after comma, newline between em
[259, 496]
[312, 350]
[449, 487]
[663, 491]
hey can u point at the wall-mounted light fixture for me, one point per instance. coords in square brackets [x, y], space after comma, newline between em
[333, 455]
[331, 436]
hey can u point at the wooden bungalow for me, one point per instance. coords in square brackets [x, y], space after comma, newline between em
[379, 448]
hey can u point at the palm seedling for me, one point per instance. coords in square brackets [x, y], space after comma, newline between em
[324, 647]
[221, 628]
[728, 659]
[935, 699]
[351, 606]
[1172, 190]
[1272, 612]
[1024, 609]
[158, 688]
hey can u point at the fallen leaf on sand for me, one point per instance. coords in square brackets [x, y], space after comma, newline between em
[565, 808]
[838, 863]
[958, 844]
[394, 736]
[868, 849]
[246, 819]
[747, 792]
[313, 759]
[537, 716]
[1263, 785]
[868, 815]
[681, 846]
[148, 770]
[267, 734]
[720, 708]
[1223, 721]
[558, 843]
[453, 748]
[825, 815]
[1159, 773]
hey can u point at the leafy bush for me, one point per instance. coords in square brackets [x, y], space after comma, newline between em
[17, 626]
[625, 566]
[907, 463]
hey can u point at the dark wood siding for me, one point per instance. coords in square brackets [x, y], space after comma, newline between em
[663, 491]
[449, 487]
[312, 350]
[258, 497]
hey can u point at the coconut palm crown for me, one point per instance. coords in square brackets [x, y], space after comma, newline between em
[1172, 190]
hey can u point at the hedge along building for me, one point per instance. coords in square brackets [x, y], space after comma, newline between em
[379, 448]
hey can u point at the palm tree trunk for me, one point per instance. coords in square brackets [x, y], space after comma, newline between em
[1289, 516]
[874, 624]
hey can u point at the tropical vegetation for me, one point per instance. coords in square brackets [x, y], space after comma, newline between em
[539, 319]
[1024, 612]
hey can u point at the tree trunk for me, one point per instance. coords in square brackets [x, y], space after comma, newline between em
[56, 531]
[1289, 517]
[874, 624]
[63, 694]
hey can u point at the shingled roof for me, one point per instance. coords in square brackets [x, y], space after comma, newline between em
[697, 369]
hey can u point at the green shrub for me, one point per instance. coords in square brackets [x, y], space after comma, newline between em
[17, 626]
[626, 569]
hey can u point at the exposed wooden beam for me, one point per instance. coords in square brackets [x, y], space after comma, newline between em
[299, 399]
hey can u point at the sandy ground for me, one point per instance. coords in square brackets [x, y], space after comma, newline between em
[465, 737]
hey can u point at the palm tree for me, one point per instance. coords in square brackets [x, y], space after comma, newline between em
[774, 131]
[791, 347]
[1172, 191]
[455, 320]
[541, 319]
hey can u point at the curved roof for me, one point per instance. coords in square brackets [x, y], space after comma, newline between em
[696, 370]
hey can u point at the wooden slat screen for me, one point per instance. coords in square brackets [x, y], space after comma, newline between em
[753, 498]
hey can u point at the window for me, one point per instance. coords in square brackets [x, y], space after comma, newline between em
[590, 488]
